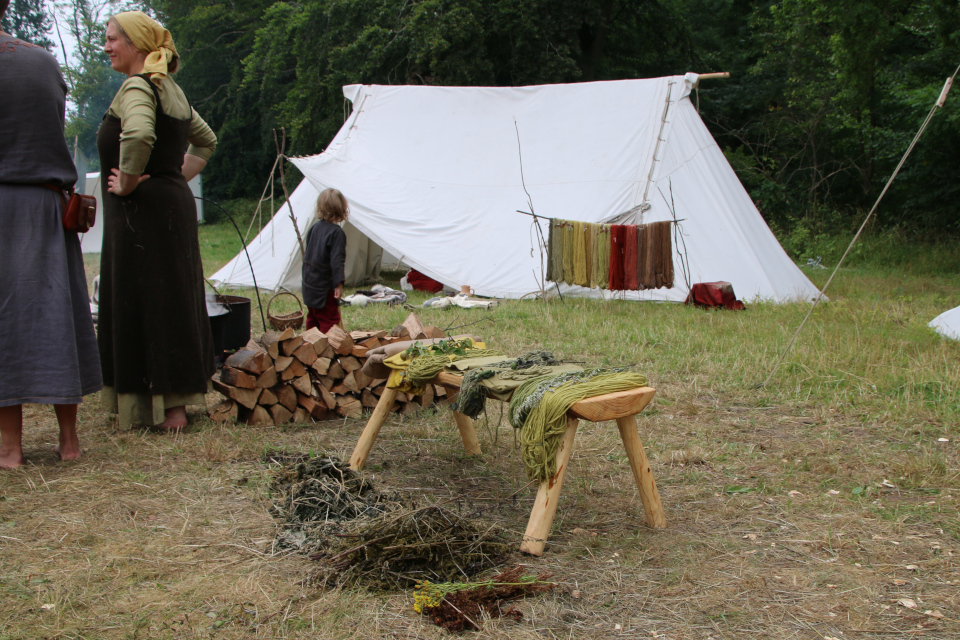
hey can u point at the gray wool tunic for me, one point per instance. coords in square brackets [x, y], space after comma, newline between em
[46, 333]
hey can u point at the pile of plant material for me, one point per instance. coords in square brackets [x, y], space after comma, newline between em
[399, 550]
[458, 606]
[316, 496]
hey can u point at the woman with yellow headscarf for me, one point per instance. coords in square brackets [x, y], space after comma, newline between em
[156, 349]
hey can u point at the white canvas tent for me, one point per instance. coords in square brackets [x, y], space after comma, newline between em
[947, 323]
[276, 256]
[92, 241]
[433, 174]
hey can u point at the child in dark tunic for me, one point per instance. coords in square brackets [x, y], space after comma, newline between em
[323, 261]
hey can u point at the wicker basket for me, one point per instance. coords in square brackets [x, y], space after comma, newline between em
[293, 320]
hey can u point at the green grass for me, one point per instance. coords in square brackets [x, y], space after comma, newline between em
[807, 508]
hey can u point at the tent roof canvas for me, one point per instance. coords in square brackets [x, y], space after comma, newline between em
[436, 175]
[947, 323]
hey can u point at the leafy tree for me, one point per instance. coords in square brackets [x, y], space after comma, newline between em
[93, 84]
[26, 19]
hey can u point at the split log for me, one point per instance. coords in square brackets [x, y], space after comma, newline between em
[414, 327]
[335, 372]
[340, 389]
[254, 361]
[359, 351]
[328, 398]
[295, 370]
[434, 332]
[280, 414]
[271, 341]
[410, 407]
[301, 416]
[303, 384]
[268, 397]
[439, 390]
[349, 363]
[225, 411]
[426, 398]
[246, 397]
[287, 396]
[282, 362]
[321, 365]
[328, 352]
[327, 382]
[340, 340]
[363, 380]
[268, 378]
[306, 354]
[258, 416]
[290, 345]
[400, 332]
[349, 407]
[371, 343]
[238, 378]
[350, 382]
[315, 337]
[367, 399]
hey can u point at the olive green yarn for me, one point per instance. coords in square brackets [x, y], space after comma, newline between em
[580, 267]
[425, 367]
[603, 257]
[568, 249]
[542, 423]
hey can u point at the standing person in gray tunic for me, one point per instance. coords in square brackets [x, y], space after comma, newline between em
[46, 332]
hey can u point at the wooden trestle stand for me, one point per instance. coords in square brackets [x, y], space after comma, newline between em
[621, 406]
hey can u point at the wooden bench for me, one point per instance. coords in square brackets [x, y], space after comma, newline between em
[622, 406]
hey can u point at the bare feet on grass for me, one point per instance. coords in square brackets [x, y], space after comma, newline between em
[11, 437]
[69, 447]
[11, 459]
[176, 419]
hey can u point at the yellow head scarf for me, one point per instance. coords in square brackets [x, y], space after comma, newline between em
[151, 38]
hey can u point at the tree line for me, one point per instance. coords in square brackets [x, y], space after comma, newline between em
[823, 99]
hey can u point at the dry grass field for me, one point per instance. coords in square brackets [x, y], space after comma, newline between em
[824, 506]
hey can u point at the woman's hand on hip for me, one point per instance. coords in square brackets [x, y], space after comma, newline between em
[123, 184]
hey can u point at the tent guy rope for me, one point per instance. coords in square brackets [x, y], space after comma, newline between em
[941, 100]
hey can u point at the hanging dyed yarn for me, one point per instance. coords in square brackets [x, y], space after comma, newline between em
[617, 250]
[613, 257]
[603, 257]
[579, 255]
[593, 236]
[630, 281]
[539, 408]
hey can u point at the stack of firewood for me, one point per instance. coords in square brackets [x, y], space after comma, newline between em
[288, 377]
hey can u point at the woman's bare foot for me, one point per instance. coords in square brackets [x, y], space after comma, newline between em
[69, 447]
[176, 419]
[11, 459]
[11, 437]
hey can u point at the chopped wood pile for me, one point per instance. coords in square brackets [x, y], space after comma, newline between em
[288, 377]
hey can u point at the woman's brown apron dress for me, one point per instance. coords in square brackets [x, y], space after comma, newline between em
[154, 334]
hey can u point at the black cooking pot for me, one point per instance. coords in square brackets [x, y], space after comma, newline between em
[231, 330]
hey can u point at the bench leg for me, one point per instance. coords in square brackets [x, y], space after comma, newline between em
[465, 426]
[372, 430]
[545, 506]
[642, 472]
[468, 434]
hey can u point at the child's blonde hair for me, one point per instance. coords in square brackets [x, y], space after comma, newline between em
[332, 206]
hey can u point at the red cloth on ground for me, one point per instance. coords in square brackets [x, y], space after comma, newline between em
[714, 294]
[617, 237]
[631, 280]
[325, 317]
[420, 282]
